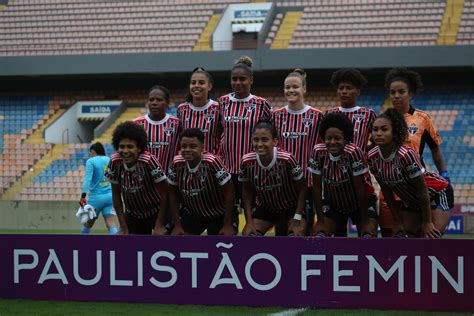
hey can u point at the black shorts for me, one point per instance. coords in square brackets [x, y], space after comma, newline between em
[443, 200]
[197, 225]
[140, 226]
[341, 218]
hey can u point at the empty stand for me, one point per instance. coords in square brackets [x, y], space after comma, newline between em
[364, 23]
[31, 28]
[465, 35]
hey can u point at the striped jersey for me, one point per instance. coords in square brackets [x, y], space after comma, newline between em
[363, 120]
[421, 130]
[274, 184]
[163, 137]
[137, 183]
[239, 118]
[399, 168]
[337, 172]
[199, 187]
[207, 118]
[298, 133]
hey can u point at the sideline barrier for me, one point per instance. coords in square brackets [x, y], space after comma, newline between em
[411, 274]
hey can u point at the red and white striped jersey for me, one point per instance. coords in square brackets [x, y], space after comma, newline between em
[298, 133]
[137, 183]
[207, 118]
[199, 187]
[363, 120]
[397, 171]
[337, 173]
[274, 184]
[239, 119]
[163, 137]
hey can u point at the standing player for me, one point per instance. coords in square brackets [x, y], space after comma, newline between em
[426, 198]
[340, 169]
[241, 110]
[403, 84]
[139, 181]
[161, 128]
[274, 183]
[100, 191]
[297, 125]
[200, 182]
[199, 111]
[348, 83]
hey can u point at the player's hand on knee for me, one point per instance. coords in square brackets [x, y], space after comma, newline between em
[160, 230]
[297, 228]
[227, 230]
[249, 230]
[177, 230]
[430, 231]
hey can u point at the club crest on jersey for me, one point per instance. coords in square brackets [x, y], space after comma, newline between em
[168, 130]
[412, 129]
[307, 122]
[277, 173]
[250, 106]
[344, 167]
[202, 176]
[359, 117]
[209, 117]
[138, 175]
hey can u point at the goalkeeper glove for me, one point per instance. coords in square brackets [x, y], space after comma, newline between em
[83, 201]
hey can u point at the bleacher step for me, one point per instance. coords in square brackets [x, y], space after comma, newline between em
[56, 151]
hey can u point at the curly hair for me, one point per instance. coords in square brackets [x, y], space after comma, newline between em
[339, 121]
[410, 77]
[298, 73]
[194, 132]
[165, 91]
[266, 124]
[245, 63]
[131, 131]
[351, 75]
[399, 126]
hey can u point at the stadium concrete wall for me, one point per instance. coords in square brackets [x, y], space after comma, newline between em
[41, 215]
[265, 59]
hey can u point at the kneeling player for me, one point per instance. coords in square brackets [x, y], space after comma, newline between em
[426, 197]
[274, 183]
[340, 170]
[201, 184]
[137, 180]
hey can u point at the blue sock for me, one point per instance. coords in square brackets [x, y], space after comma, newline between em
[112, 230]
[85, 230]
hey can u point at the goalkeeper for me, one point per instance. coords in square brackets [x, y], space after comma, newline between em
[100, 191]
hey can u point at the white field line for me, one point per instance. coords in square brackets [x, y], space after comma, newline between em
[289, 312]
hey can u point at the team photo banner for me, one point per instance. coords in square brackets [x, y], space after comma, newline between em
[402, 274]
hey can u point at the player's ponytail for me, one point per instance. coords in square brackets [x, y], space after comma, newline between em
[299, 73]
